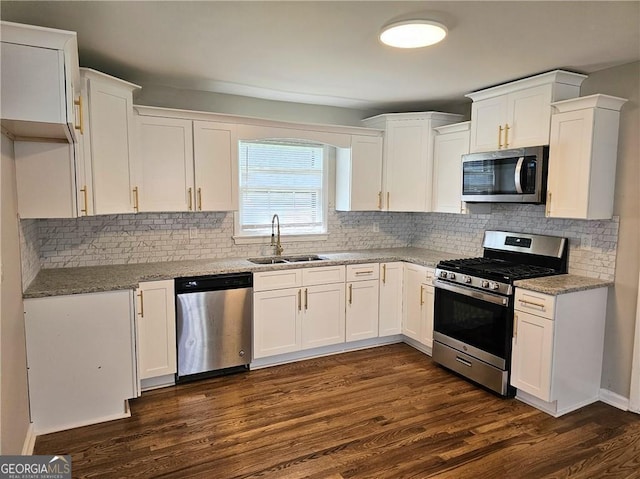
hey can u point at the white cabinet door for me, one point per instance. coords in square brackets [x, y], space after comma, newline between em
[80, 355]
[528, 117]
[323, 318]
[390, 313]
[215, 149]
[110, 128]
[406, 166]
[532, 355]
[276, 322]
[164, 165]
[156, 325]
[362, 310]
[487, 121]
[426, 316]
[450, 143]
[414, 277]
[359, 175]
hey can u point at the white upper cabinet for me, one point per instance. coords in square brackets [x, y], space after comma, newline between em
[518, 114]
[184, 163]
[451, 142]
[408, 157]
[39, 78]
[164, 164]
[359, 175]
[106, 173]
[582, 157]
[215, 149]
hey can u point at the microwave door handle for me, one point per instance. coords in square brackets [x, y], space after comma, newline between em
[518, 175]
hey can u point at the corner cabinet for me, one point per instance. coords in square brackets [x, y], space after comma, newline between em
[156, 327]
[184, 164]
[80, 358]
[558, 344]
[408, 158]
[40, 82]
[418, 302]
[583, 154]
[518, 114]
[359, 174]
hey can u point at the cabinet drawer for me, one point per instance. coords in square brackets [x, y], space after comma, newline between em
[323, 275]
[268, 280]
[429, 273]
[535, 303]
[361, 272]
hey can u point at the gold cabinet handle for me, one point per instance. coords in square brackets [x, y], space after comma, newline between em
[306, 299]
[532, 303]
[299, 300]
[350, 293]
[515, 326]
[548, 203]
[384, 273]
[364, 272]
[506, 135]
[379, 200]
[500, 136]
[421, 295]
[135, 199]
[189, 190]
[78, 103]
[199, 199]
[388, 198]
[141, 313]
[85, 210]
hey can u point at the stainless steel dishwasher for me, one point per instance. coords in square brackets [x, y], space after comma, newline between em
[213, 324]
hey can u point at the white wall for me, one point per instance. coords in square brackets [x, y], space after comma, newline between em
[14, 400]
[624, 82]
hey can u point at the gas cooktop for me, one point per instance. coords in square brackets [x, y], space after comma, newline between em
[495, 269]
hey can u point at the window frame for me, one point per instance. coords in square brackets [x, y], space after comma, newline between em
[241, 237]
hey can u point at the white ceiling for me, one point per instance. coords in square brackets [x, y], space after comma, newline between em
[328, 53]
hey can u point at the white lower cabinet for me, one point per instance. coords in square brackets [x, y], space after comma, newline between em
[362, 301]
[156, 328]
[558, 346]
[417, 318]
[390, 303]
[80, 358]
[309, 312]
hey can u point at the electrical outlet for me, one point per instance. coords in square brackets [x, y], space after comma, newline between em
[376, 227]
[193, 233]
[585, 242]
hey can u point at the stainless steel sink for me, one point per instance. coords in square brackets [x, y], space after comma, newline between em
[285, 259]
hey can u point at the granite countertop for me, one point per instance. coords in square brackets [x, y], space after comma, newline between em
[91, 279]
[561, 284]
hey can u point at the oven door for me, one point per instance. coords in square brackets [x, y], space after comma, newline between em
[477, 323]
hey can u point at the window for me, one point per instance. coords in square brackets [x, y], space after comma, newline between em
[286, 178]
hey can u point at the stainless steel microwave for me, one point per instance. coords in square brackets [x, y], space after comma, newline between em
[507, 176]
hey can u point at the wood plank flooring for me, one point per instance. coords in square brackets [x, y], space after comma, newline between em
[386, 412]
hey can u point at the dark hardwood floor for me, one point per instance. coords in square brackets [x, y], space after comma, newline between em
[387, 412]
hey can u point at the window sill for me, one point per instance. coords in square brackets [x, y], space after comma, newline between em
[284, 239]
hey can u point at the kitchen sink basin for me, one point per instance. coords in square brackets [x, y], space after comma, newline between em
[285, 259]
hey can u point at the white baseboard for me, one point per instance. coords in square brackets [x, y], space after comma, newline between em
[29, 441]
[614, 399]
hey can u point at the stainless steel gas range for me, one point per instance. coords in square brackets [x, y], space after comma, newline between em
[473, 316]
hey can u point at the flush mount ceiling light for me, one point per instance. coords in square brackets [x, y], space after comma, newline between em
[413, 33]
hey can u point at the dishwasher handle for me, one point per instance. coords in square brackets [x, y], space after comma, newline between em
[216, 282]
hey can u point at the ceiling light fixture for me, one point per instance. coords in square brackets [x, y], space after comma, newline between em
[413, 33]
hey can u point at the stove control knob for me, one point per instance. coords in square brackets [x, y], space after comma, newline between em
[494, 285]
[452, 276]
[485, 284]
[443, 274]
[466, 279]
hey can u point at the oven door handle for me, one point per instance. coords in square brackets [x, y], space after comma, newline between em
[474, 293]
[518, 175]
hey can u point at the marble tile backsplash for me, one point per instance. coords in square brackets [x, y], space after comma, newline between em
[464, 233]
[151, 237]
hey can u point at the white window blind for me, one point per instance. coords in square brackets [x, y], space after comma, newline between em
[282, 178]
